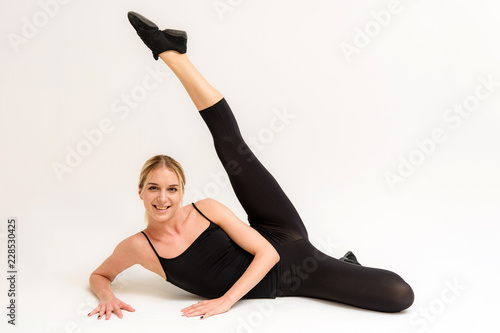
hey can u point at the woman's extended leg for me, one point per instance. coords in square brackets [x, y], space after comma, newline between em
[269, 209]
[306, 271]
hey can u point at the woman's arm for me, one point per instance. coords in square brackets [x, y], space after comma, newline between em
[100, 280]
[265, 257]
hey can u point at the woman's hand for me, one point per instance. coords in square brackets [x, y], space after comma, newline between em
[109, 306]
[208, 308]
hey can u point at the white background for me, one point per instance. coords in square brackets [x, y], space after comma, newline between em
[353, 119]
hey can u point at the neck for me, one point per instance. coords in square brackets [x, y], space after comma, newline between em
[169, 227]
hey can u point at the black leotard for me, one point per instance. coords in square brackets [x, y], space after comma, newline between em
[212, 264]
[302, 270]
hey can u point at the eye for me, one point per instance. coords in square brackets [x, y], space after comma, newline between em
[152, 187]
[173, 188]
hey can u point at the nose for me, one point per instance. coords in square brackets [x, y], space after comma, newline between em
[162, 197]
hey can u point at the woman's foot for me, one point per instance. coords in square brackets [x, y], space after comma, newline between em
[158, 41]
[350, 258]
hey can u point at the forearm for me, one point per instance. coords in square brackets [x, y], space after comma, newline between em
[256, 271]
[101, 286]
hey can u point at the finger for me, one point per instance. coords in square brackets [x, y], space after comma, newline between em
[93, 312]
[189, 309]
[205, 316]
[109, 311]
[190, 313]
[194, 308]
[102, 311]
[118, 312]
[127, 307]
[197, 312]
[194, 305]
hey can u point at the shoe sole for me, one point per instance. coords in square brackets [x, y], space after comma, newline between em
[176, 33]
[142, 19]
[149, 23]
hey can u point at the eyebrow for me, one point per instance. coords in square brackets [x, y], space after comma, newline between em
[157, 184]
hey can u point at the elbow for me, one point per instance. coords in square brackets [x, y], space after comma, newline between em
[92, 277]
[95, 275]
[275, 256]
[269, 254]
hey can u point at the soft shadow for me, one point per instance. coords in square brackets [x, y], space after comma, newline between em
[346, 306]
[150, 286]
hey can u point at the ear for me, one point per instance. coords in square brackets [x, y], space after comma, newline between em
[140, 193]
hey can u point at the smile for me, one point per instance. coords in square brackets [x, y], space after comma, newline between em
[161, 207]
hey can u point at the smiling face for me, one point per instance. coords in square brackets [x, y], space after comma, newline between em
[161, 195]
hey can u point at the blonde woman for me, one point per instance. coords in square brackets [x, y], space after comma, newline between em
[205, 249]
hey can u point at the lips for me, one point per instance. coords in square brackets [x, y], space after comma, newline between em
[161, 208]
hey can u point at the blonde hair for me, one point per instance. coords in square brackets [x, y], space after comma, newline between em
[157, 162]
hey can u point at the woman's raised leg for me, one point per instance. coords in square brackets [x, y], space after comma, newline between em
[199, 90]
[269, 209]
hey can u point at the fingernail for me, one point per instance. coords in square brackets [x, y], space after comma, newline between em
[88, 313]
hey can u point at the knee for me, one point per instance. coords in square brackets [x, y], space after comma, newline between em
[400, 296]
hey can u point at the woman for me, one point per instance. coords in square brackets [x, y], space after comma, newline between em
[205, 249]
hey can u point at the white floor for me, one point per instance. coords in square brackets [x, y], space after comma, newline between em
[330, 125]
[451, 270]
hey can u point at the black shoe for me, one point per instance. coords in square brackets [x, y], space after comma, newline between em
[350, 258]
[158, 41]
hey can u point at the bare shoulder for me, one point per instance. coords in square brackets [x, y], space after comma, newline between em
[141, 252]
[240, 232]
[126, 254]
[133, 250]
[130, 247]
[138, 247]
[209, 207]
[216, 211]
[206, 204]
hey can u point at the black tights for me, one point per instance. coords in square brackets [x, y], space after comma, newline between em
[302, 270]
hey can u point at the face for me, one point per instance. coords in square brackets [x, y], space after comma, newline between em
[161, 195]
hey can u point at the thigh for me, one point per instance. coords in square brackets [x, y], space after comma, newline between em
[262, 198]
[308, 272]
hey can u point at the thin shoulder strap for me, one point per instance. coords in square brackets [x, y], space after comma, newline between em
[200, 212]
[151, 244]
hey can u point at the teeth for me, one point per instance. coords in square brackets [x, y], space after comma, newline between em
[162, 208]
